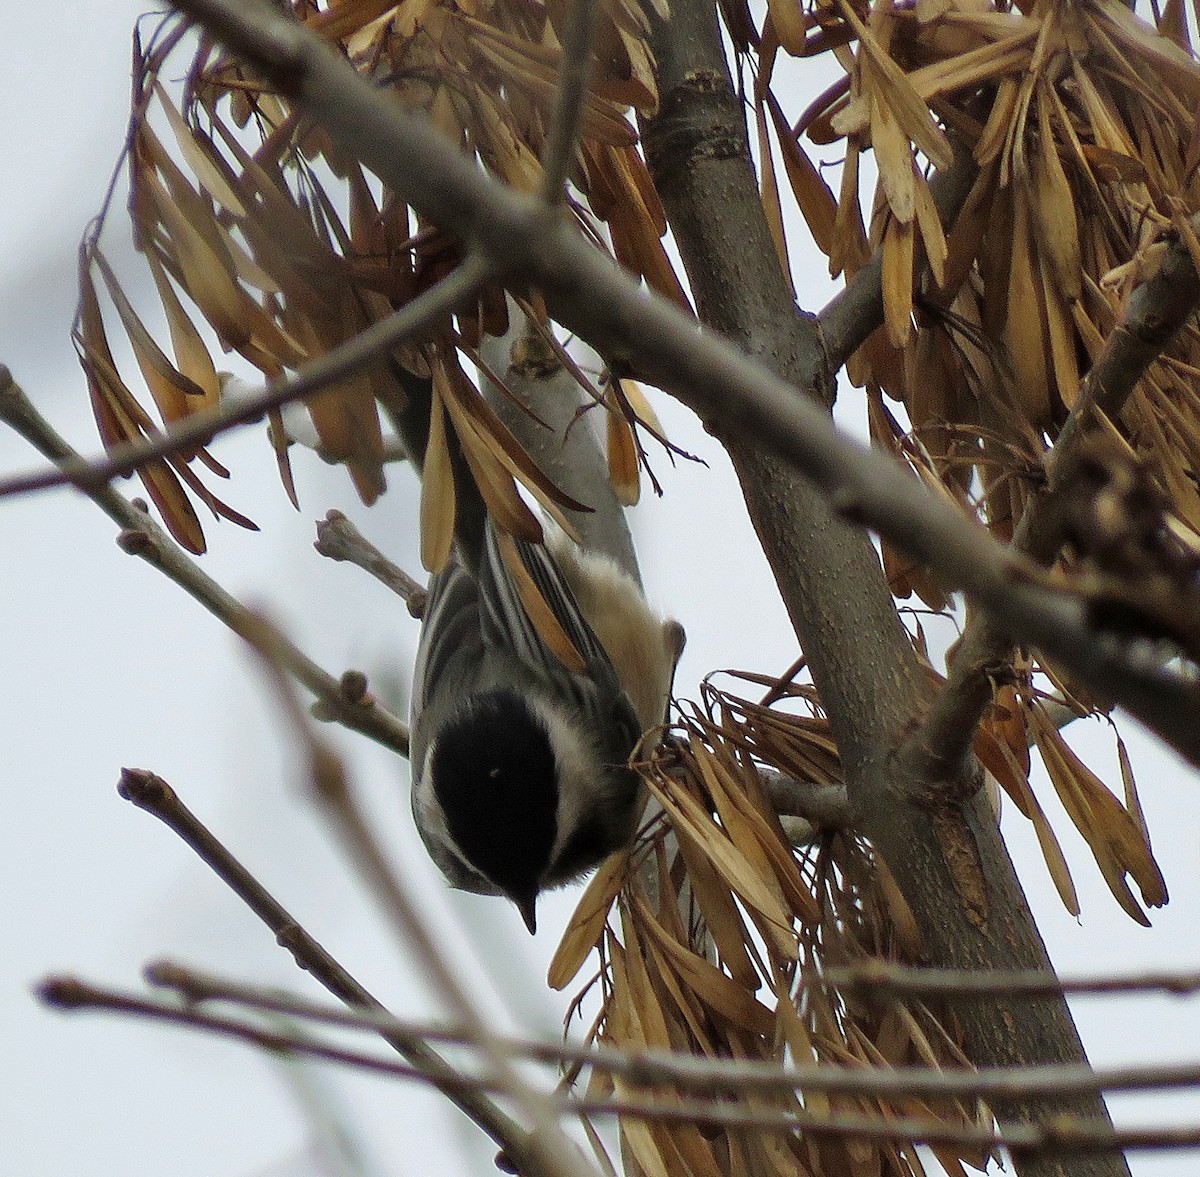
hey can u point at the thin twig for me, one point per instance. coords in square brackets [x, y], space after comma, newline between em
[648, 1068]
[1064, 1132]
[883, 978]
[338, 539]
[543, 1152]
[141, 536]
[588, 294]
[824, 807]
[850, 317]
[353, 356]
[574, 74]
[151, 793]
[70, 993]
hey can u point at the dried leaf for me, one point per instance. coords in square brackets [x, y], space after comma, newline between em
[720, 912]
[1150, 49]
[200, 156]
[640, 971]
[1023, 325]
[1132, 802]
[904, 923]
[719, 992]
[769, 195]
[1114, 837]
[191, 355]
[624, 471]
[170, 388]
[812, 194]
[789, 25]
[727, 860]
[206, 275]
[894, 157]
[930, 225]
[438, 494]
[898, 245]
[511, 513]
[1054, 208]
[587, 924]
[120, 419]
[892, 89]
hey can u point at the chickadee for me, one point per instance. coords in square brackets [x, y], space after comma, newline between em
[520, 762]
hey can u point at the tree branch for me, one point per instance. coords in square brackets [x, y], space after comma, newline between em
[151, 793]
[824, 807]
[1065, 1135]
[141, 536]
[884, 978]
[338, 539]
[1157, 309]
[570, 99]
[941, 845]
[589, 295]
[650, 1068]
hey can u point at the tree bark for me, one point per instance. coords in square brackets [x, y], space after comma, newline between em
[938, 836]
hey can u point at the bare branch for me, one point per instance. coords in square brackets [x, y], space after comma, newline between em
[884, 978]
[141, 536]
[824, 807]
[574, 73]
[151, 793]
[338, 539]
[70, 993]
[1064, 1133]
[649, 1068]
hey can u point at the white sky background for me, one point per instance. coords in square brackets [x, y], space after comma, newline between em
[107, 664]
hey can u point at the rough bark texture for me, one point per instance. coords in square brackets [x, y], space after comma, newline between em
[937, 836]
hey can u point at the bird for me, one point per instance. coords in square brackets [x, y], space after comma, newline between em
[522, 731]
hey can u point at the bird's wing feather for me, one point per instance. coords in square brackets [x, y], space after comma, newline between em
[450, 631]
[506, 621]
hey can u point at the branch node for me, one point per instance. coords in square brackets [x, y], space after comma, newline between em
[165, 974]
[354, 688]
[147, 790]
[295, 940]
[63, 992]
[133, 541]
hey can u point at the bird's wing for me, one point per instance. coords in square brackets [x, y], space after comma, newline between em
[450, 633]
[507, 622]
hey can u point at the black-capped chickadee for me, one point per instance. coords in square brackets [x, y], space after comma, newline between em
[520, 777]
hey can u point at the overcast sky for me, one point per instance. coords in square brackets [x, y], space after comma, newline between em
[107, 664]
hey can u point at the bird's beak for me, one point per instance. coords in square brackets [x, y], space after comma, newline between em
[527, 906]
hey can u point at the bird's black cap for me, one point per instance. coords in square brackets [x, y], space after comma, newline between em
[494, 776]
